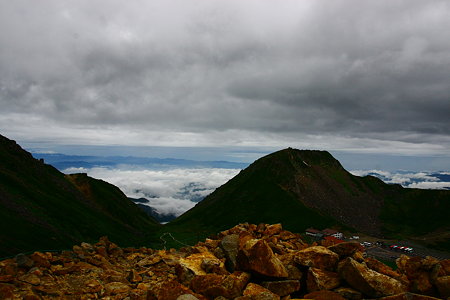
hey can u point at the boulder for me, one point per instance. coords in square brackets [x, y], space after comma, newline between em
[23, 261]
[258, 258]
[213, 285]
[419, 272]
[184, 274]
[443, 285]
[349, 293]
[294, 273]
[30, 278]
[202, 263]
[317, 257]
[367, 281]
[230, 246]
[318, 279]
[114, 288]
[359, 256]
[346, 249]
[445, 267]
[379, 267]
[134, 277]
[149, 260]
[257, 292]
[41, 259]
[323, 295]
[170, 290]
[283, 287]
[408, 296]
[7, 291]
[272, 229]
[87, 246]
[6, 278]
[187, 297]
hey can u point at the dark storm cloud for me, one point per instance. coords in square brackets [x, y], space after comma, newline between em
[229, 71]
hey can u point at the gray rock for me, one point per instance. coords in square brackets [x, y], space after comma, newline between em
[24, 261]
[230, 247]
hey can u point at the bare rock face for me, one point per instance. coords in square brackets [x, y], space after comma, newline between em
[367, 281]
[317, 257]
[257, 257]
[321, 280]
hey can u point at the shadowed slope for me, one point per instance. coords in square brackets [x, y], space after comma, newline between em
[41, 209]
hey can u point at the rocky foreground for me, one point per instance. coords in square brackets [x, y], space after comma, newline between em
[246, 262]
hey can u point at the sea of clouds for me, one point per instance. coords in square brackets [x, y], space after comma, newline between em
[421, 180]
[170, 191]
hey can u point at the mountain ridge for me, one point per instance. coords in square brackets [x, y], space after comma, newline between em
[313, 189]
[41, 208]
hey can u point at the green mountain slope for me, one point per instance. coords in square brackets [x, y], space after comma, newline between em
[302, 188]
[41, 208]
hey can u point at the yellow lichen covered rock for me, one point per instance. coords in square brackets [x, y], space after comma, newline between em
[367, 281]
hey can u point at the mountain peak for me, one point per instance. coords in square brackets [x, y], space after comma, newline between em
[288, 163]
[308, 157]
[300, 188]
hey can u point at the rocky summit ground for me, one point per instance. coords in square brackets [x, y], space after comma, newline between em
[246, 262]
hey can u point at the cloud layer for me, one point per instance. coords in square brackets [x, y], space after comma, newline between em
[420, 180]
[169, 191]
[337, 75]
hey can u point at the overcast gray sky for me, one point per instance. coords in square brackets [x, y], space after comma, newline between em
[362, 76]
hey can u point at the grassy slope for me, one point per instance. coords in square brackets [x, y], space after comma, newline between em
[263, 193]
[418, 214]
[41, 209]
[256, 195]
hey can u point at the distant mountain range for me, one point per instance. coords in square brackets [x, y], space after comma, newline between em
[62, 162]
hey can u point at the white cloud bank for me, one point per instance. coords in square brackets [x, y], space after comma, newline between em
[170, 191]
[421, 180]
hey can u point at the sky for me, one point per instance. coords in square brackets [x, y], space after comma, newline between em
[354, 77]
